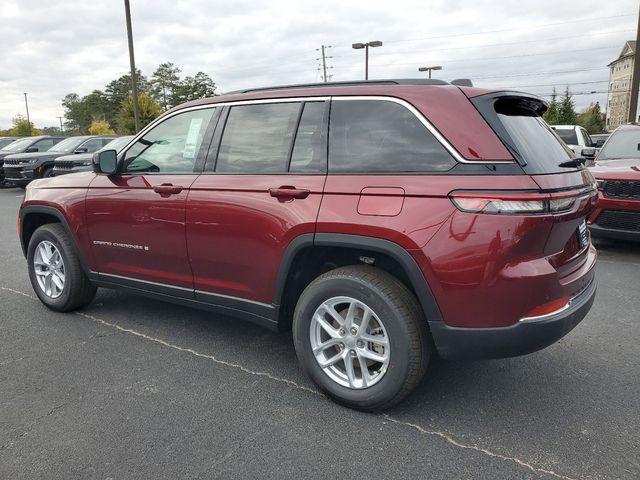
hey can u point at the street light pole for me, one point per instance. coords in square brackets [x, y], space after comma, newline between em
[359, 46]
[26, 104]
[61, 129]
[429, 69]
[134, 87]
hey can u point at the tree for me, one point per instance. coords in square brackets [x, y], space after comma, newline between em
[592, 119]
[164, 83]
[23, 128]
[101, 127]
[551, 115]
[80, 112]
[566, 111]
[147, 108]
[55, 131]
[191, 88]
[118, 91]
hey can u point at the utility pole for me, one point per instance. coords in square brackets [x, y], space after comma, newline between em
[635, 78]
[134, 87]
[26, 104]
[324, 57]
[61, 129]
[359, 46]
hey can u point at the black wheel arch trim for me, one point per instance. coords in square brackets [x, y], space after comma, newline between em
[54, 212]
[398, 253]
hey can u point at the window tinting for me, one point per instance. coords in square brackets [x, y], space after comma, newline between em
[310, 149]
[622, 144]
[170, 147]
[382, 136]
[92, 145]
[257, 138]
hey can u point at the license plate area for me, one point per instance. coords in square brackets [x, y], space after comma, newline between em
[583, 236]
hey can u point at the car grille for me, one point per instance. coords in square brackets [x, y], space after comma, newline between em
[621, 189]
[64, 165]
[619, 220]
[12, 162]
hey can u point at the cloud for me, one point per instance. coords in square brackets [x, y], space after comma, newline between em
[55, 48]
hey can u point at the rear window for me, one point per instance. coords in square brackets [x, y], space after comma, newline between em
[517, 120]
[567, 135]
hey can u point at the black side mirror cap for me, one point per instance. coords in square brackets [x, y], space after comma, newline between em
[31, 149]
[81, 150]
[106, 162]
[588, 152]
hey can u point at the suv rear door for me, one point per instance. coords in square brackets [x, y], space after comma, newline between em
[136, 218]
[261, 188]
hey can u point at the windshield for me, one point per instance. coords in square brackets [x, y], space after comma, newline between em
[18, 145]
[117, 144]
[67, 144]
[6, 141]
[622, 144]
[567, 135]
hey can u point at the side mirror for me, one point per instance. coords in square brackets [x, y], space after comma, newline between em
[588, 152]
[31, 149]
[105, 161]
[81, 150]
[599, 143]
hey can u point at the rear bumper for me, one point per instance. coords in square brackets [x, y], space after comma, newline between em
[520, 339]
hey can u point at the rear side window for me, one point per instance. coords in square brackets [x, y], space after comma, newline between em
[568, 136]
[309, 153]
[518, 123]
[369, 136]
[257, 138]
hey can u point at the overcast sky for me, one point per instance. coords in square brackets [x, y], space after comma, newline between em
[51, 48]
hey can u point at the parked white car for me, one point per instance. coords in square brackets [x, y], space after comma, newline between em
[574, 136]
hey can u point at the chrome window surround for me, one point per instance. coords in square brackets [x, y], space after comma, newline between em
[441, 139]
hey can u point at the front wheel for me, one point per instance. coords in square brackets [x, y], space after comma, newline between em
[55, 271]
[361, 336]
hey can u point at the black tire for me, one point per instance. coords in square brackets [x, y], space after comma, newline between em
[404, 321]
[78, 290]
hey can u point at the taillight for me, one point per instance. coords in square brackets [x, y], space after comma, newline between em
[517, 203]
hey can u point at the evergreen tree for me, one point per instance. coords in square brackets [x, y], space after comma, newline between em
[566, 111]
[192, 88]
[147, 108]
[164, 83]
[551, 115]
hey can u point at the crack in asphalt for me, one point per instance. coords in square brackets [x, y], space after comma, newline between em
[442, 435]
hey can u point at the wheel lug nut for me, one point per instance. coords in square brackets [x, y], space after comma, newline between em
[360, 344]
[354, 330]
[342, 332]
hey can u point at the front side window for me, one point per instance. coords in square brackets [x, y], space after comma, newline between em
[171, 146]
[68, 145]
[44, 145]
[92, 145]
[257, 138]
[368, 136]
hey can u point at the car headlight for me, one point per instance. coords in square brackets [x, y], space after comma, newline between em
[87, 163]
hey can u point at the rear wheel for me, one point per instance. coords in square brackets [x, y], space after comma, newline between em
[55, 271]
[361, 336]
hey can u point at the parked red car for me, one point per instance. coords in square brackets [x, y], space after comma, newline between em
[385, 221]
[617, 171]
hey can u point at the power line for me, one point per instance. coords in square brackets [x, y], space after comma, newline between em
[555, 72]
[510, 29]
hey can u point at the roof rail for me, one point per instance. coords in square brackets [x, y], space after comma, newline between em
[352, 83]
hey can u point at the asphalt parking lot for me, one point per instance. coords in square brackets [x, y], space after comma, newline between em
[136, 388]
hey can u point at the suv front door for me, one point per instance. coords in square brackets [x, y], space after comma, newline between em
[136, 218]
[261, 188]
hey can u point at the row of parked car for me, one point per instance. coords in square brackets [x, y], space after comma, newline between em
[25, 159]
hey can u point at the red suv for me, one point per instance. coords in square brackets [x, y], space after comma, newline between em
[384, 221]
[617, 171]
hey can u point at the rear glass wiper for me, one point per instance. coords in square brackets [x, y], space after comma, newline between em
[573, 162]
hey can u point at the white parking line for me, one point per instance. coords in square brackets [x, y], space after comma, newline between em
[442, 435]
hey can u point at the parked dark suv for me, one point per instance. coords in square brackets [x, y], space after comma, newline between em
[20, 169]
[82, 162]
[26, 145]
[385, 221]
